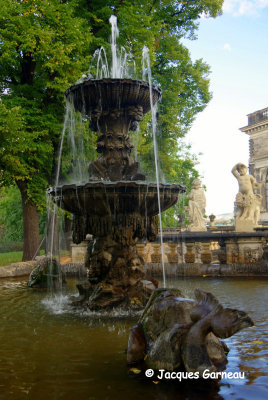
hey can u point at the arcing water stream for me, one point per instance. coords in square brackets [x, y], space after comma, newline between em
[146, 62]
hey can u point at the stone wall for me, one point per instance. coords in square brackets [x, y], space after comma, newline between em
[17, 269]
[21, 269]
[203, 270]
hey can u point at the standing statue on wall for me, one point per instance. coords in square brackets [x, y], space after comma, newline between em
[196, 208]
[247, 203]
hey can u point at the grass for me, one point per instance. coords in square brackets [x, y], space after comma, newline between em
[9, 258]
[12, 257]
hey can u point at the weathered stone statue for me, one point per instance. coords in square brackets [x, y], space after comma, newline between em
[197, 208]
[247, 203]
[176, 333]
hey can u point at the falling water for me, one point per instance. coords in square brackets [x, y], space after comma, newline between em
[72, 131]
[76, 141]
[68, 111]
[52, 208]
[146, 62]
[71, 139]
[102, 63]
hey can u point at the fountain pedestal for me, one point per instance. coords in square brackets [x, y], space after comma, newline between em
[115, 270]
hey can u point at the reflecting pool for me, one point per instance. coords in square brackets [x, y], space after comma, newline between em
[51, 351]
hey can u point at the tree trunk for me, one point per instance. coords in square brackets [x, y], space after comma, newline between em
[30, 224]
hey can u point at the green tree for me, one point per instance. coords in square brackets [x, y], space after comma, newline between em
[43, 49]
[46, 45]
[11, 218]
[11, 215]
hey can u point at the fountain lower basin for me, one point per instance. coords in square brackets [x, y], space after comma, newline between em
[105, 198]
[117, 214]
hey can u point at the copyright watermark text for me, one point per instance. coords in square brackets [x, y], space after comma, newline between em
[206, 374]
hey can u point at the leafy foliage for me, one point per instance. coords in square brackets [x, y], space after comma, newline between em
[46, 45]
[11, 214]
[43, 50]
[11, 218]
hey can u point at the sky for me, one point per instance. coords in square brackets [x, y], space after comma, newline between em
[235, 47]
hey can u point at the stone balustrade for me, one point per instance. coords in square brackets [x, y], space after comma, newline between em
[207, 248]
[199, 248]
[156, 255]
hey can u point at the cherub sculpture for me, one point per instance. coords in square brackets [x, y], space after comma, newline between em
[246, 202]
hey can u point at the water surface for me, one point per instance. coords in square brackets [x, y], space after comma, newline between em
[50, 351]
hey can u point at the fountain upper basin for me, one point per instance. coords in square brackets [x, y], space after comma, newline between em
[105, 198]
[106, 93]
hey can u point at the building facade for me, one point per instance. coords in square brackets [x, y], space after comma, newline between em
[257, 129]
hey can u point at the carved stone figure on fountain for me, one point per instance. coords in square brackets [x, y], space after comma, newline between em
[247, 202]
[196, 208]
[177, 333]
[113, 143]
[116, 276]
[98, 259]
[112, 258]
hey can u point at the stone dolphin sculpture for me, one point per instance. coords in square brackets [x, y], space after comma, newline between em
[176, 333]
[47, 273]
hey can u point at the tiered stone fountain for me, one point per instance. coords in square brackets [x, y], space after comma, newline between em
[117, 205]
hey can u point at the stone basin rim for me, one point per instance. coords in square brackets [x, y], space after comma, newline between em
[103, 185]
[114, 81]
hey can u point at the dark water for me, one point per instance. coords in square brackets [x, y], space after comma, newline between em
[49, 351]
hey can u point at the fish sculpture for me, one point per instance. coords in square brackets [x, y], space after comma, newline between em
[177, 333]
